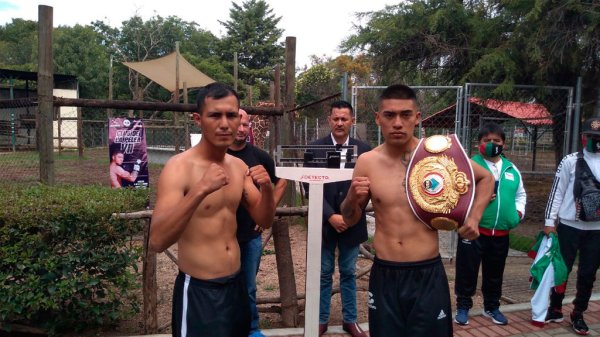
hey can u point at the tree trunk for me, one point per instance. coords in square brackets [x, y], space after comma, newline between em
[285, 272]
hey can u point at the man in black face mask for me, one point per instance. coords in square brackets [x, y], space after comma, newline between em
[573, 211]
[504, 212]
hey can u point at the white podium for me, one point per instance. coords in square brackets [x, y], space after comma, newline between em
[315, 177]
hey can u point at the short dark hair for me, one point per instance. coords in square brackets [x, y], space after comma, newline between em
[113, 149]
[491, 127]
[215, 90]
[341, 105]
[398, 91]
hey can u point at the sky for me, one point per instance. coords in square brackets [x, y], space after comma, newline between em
[318, 25]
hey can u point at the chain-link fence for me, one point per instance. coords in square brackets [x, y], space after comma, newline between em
[313, 125]
[19, 159]
[81, 154]
[536, 120]
[160, 132]
[537, 123]
[441, 101]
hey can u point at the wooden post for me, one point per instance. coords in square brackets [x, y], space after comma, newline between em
[149, 285]
[58, 129]
[45, 88]
[285, 273]
[281, 234]
[79, 133]
[235, 71]
[276, 122]
[290, 85]
[109, 111]
[272, 120]
[289, 103]
[176, 97]
[186, 118]
[250, 94]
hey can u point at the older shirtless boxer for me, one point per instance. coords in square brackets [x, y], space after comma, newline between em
[198, 193]
[408, 287]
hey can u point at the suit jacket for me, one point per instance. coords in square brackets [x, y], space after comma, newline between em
[334, 194]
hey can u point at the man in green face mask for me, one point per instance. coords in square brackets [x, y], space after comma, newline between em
[504, 212]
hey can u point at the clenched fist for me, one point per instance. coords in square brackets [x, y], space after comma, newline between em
[469, 230]
[260, 176]
[359, 190]
[214, 178]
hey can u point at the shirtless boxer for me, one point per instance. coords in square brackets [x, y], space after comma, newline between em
[408, 287]
[198, 193]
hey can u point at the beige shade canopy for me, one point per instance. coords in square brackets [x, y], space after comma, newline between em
[162, 71]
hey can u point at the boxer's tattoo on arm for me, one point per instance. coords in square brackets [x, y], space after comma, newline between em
[348, 213]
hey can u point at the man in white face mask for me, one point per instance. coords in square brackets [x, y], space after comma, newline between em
[575, 202]
[503, 213]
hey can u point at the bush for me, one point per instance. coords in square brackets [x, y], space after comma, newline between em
[64, 262]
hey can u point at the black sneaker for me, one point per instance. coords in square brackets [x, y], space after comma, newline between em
[554, 315]
[578, 324]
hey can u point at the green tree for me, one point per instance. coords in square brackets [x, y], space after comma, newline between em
[252, 32]
[323, 78]
[542, 42]
[138, 40]
[78, 51]
[316, 82]
[425, 42]
[508, 42]
[18, 45]
[201, 48]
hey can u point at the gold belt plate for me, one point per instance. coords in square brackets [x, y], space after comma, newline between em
[436, 184]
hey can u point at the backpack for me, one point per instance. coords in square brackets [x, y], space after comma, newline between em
[586, 192]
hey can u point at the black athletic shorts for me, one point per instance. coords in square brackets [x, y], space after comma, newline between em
[217, 307]
[409, 299]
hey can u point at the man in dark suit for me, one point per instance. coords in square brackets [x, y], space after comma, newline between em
[336, 233]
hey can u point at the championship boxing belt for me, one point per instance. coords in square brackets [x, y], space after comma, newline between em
[440, 182]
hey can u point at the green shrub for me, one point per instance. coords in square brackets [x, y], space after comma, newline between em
[64, 262]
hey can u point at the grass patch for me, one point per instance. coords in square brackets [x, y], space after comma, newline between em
[269, 287]
[268, 252]
[20, 157]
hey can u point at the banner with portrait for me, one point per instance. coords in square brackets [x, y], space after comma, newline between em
[128, 155]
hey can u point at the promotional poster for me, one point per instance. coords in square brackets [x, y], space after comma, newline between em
[127, 153]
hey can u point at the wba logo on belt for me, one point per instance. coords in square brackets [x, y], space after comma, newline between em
[440, 182]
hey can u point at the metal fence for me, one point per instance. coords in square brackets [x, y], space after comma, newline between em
[541, 127]
[314, 124]
[19, 160]
[540, 124]
[431, 100]
[81, 138]
[160, 132]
